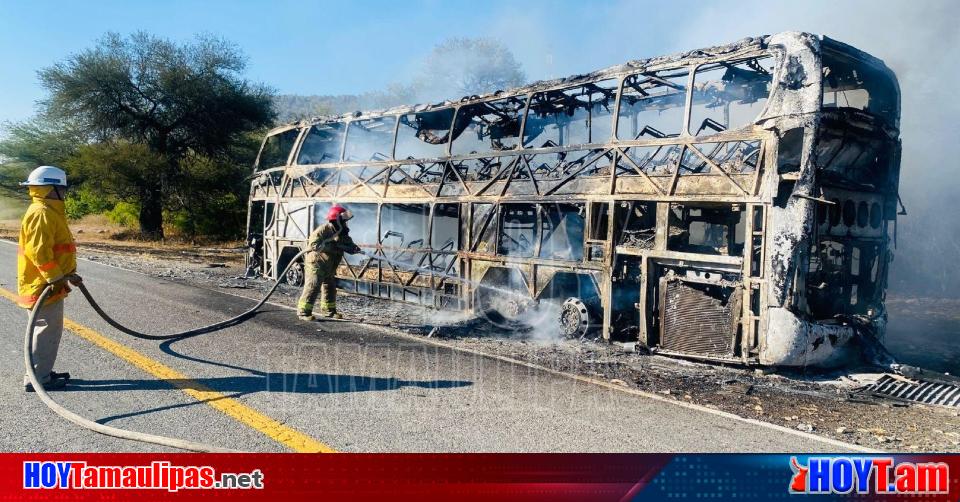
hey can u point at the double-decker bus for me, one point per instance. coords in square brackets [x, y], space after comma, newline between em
[733, 203]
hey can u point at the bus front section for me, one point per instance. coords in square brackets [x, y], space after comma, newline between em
[834, 209]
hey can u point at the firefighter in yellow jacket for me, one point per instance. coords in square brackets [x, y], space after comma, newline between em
[46, 255]
[328, 242]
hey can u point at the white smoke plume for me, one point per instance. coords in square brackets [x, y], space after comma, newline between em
[916, 39]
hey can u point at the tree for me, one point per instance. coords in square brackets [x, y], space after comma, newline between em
[214, 204]
[465, 66]
[121, 168]
[35, 142]
[157, 104]
[41, 141]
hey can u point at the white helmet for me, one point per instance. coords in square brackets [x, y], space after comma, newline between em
[46, 175]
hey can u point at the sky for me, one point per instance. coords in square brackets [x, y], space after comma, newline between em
[316, 47]
[304, 47]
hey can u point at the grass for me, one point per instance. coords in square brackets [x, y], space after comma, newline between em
[12, 209]
[96, 231]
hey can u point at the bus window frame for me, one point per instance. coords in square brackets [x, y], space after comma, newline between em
[294, 150]
[732, 61]
[305, 131]
[393, 142]
[686, 101]
[522, 139]
[446, 144]
[522, 114]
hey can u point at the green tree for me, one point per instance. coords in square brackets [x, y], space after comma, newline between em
[158, 105]
[31, 143]
[121, 168]
[41, 141]
[213, 204]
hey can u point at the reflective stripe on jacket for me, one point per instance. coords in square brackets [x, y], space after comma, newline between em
[46, 250]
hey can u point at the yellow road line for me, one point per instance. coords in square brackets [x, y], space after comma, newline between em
[236, 410]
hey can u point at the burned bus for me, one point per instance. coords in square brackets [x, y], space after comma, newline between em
[735, 203]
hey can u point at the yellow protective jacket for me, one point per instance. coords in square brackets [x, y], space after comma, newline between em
[46, 251]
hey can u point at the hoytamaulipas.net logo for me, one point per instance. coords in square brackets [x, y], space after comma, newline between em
[874, 475]
[158, 475]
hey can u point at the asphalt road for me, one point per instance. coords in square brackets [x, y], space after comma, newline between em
[278, 384]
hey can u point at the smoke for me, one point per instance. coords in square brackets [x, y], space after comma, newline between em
[916, 39]
[460, 67]
[535, 322]
[454, 68]
[542, 321]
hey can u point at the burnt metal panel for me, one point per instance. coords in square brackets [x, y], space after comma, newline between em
[698, 318]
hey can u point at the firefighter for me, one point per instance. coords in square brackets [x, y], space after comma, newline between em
[46, 255]
[328, 242]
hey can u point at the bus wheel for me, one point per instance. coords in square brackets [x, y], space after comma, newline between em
[513, 308]
[501, 306]
[574, 318]
[294, 276]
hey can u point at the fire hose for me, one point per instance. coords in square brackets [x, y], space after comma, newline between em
[114, 431]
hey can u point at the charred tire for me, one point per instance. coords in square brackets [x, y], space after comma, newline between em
[294, 275]
[499, 307]
[501, 297]
[574, 318]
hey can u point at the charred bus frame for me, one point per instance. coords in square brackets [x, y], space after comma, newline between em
[732, 203]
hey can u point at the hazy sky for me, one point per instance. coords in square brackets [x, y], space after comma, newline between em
[306, 47]
[311, 47]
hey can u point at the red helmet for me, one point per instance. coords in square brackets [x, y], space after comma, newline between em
[338, 212]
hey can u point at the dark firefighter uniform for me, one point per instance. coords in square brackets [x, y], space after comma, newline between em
[329, 242]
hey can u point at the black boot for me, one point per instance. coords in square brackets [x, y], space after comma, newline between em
[57, 381]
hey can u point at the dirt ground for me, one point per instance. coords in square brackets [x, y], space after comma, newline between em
[828, 404]
[96, 233]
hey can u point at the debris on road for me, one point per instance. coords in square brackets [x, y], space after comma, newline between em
[841, 410]
[234, 283]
